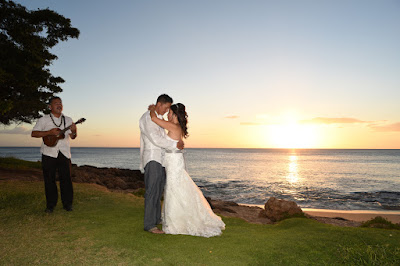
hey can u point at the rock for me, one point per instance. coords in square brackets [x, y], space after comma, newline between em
[277, 209]
[112, 178]
[209, 202]
[232, 209]
[135, 185]
[21, 174]
[262, 214]
[220, 204]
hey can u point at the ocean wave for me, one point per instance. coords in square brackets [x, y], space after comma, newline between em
[305, 197]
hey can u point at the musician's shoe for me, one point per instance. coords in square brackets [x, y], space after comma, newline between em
[48, 210]
[68, 208]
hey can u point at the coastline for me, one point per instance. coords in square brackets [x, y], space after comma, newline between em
[129, 181]
[351, 215]
[354, 215]
[269, 172]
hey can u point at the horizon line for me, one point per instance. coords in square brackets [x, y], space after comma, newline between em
[116, 147]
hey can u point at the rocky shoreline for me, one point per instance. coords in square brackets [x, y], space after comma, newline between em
[132, 181]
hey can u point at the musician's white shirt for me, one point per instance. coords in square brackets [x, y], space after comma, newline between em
[153, 141]
[44, 124]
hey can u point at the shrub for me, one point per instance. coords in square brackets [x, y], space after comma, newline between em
[380, 222]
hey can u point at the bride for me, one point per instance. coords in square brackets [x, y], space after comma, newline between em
[185, 211]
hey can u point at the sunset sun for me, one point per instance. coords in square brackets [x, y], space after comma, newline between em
[293, 135]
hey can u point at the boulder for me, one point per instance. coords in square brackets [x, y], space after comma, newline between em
[232, 209]
[277, 209]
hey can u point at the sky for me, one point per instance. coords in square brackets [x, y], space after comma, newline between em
[252, 74]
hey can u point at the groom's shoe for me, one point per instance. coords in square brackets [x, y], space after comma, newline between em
[155, 230]
[49, 210]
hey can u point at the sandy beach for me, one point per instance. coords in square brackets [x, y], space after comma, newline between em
[356, 215]
[351, 215]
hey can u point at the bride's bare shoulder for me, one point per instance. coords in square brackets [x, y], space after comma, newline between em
[175, 133]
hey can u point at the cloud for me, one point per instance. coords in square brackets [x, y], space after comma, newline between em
[328, 120]
[232, 117]
[378, 126]
[251, 124]
[386, 128]
[16, 131]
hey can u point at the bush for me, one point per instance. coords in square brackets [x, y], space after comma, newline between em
[139, 192]
[380, 222]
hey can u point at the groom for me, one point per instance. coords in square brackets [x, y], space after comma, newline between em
[152, 142]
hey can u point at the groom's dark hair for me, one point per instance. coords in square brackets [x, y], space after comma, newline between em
[164, 98]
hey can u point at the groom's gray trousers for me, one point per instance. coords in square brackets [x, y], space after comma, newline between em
[154, 180]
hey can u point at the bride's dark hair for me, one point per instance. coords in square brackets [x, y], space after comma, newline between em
[180, 111]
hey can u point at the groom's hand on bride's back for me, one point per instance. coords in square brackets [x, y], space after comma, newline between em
[180, 145]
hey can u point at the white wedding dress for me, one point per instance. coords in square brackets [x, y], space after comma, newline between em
[185, 209]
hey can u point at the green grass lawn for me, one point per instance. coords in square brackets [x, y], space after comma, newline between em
[14, 163]
[106, 228]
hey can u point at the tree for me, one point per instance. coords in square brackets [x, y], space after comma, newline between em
[26, 37]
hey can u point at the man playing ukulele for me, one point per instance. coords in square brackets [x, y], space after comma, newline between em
[56, 158]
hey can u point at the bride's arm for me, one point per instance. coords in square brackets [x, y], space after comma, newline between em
[162, 123]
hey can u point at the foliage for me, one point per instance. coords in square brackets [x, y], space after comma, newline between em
[106, 228]
[14, 163]
[139, 192]
[26, 38]
[380, 222]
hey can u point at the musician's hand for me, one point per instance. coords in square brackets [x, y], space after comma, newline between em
[54, 131]
[180, 145]
[73, 128]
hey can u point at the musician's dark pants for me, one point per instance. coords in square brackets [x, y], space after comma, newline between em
[154, 179]
[62, 165]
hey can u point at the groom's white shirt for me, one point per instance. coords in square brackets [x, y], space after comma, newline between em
[152, 141]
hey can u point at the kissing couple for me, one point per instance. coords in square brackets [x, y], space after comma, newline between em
[185, 210]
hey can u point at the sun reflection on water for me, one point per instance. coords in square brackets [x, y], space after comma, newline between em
[293, 176]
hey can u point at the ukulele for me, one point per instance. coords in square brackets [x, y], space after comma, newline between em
[51, 140]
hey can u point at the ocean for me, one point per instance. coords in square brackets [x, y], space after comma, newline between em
[314, 178]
